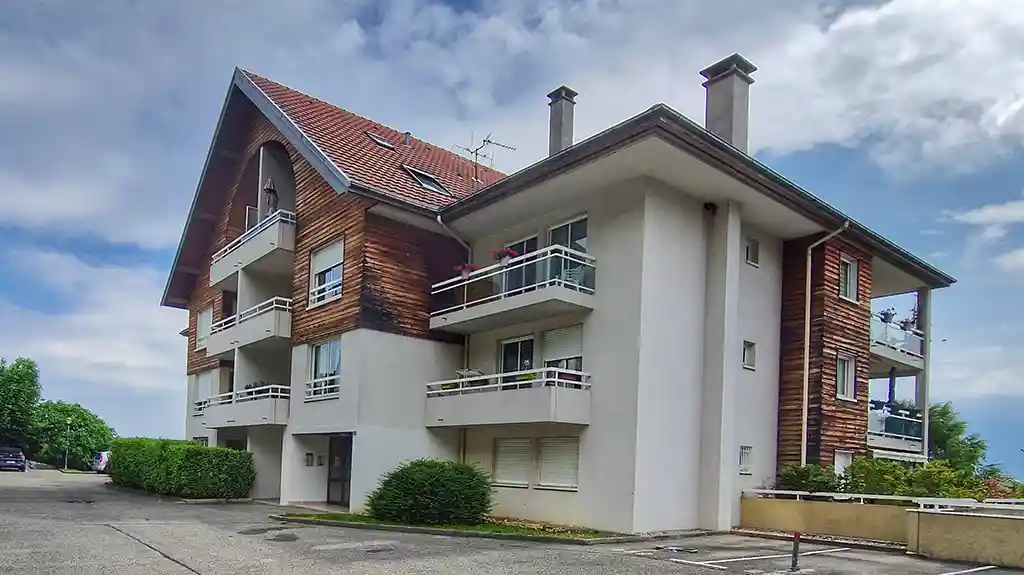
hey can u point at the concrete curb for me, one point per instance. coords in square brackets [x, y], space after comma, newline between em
[482, 534]
[214, 501]
[854, 544]
[172, 498]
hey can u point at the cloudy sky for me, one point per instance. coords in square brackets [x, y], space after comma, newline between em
[906, 114]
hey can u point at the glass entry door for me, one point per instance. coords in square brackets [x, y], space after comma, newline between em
[339, 470]
[517, 355]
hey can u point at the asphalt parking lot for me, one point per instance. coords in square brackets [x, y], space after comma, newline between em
[54, 523]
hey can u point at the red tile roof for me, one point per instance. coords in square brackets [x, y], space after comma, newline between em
[341, 135]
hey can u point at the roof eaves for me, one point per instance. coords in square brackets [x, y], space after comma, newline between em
[195, 197]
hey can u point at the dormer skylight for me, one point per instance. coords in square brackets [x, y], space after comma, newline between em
[427, 181]
[381, 140]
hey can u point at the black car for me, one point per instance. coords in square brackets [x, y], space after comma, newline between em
[13, 458]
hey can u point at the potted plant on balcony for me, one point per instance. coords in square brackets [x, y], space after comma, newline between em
[887, 315]
[466, 269]
[504, 255]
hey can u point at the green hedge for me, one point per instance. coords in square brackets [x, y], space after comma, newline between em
[432, 492]
[181, 468]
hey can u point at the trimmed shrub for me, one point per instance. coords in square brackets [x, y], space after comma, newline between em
[181, 468]
[812, 478]
[432, 492]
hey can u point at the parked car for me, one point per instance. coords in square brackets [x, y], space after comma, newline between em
[13, 458]
[100, 461]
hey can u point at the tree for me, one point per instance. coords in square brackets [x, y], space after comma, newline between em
[19, 395]
[949, 440]
[85, 435]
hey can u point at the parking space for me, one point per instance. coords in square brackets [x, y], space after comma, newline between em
[752, 555]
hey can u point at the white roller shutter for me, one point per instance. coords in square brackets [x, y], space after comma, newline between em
[563, 343]
[327, 257]
[560, 461]
[205, 385]
[512, 461]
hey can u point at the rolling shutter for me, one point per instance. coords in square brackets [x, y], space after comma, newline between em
[512, 459]
[559, 461]
[327, 257]
[563, 343]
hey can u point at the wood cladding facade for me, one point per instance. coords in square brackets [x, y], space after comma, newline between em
[388, 267]
[838, 326]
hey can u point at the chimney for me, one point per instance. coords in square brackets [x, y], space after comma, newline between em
[408, 138]
[726, 112]
[563, 99]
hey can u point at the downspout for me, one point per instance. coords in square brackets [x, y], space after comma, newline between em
[469, 256]
[807, 340]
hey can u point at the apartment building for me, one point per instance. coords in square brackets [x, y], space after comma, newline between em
[625, 334]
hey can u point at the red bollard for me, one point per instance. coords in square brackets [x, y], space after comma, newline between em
[794, 566]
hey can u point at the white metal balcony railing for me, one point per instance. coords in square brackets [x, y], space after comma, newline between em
[552, 266]
[327, 387]
[325, 293]
[198, 407]
[278, 216]
[543, 377]
[251, 394]
[894, 337]
[272, 304]
[895, 423]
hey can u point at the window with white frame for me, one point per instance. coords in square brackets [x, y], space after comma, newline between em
[847, 277]
[558, 462]
[842, 460]
[513, 462]
[325, 273]
[749, 355]
[204, 321]
[563, 350]
[753, 252]
[325, 370]
[846, 370]
[204, 441]
[746, 459]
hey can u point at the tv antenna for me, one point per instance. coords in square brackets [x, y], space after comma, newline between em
[478, 153]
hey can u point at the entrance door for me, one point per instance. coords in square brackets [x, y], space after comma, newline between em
[339, 470]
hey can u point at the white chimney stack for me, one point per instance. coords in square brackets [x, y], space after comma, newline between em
[563, 100]
[727, 108]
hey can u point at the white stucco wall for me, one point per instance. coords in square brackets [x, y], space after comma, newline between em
[299, 482]
[671, 362]
[265, 444]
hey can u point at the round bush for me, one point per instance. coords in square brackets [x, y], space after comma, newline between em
[432, 492]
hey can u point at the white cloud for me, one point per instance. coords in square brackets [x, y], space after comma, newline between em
[922, 83]
[977, 371]
[102, 326]
[1012, 261]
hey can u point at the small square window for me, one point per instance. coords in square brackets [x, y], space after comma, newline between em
[428, 181]
[842, 460]
[381, 140]
[746, 459]
[749, 355]
[846, 378]
[753, 252]
[847, 277]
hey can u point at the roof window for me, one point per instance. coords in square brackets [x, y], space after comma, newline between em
[427, 181]
[381, 140]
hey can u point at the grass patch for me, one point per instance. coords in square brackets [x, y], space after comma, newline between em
[493, 525]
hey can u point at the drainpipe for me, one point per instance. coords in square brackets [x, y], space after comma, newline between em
[469, 256]
[807, 339]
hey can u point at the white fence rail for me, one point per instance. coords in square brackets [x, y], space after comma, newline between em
[278, 216]
[327, 387]
[939, 503]
[544, 377]
[552, 266]
[251, 394]
[272, 304]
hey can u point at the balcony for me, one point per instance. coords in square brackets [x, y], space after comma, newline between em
[265, 322]
[549, 282]
[266, 247]
[266, 405]
[548, 395]
[894, 347]
[198, 407]
[895, 429]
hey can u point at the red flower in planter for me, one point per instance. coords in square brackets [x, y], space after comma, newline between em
[504, 253]
[466, 268]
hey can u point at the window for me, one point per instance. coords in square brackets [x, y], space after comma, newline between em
[325, 273]
[842, 460]
[204, 321]
[569, 271]
[381, 140]
[325, 369]
[204, 441]
[753, 252]
[512, 462]
[746, 458]
[749, 355]
[517, 355]
[559, 462]
[563, 349]
[846, 377]
[522, 275]
[427, 181]
[847, 277]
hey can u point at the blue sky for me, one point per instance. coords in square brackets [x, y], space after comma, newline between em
[906, 114]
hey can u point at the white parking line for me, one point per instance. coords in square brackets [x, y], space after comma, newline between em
[697, 564]
[780, 556]
[975, 570]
